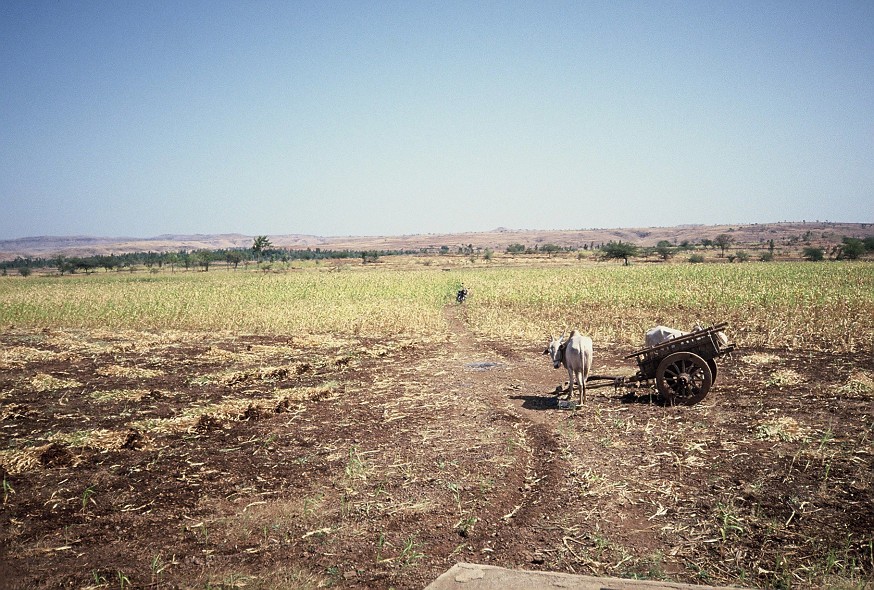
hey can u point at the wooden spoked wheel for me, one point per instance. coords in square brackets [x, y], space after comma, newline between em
[713, 370]
[683, 378]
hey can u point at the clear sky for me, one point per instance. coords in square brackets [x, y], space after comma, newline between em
[148, 117]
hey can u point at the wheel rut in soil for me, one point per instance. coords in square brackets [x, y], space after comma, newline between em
[506, 379]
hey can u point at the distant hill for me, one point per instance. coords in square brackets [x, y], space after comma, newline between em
[497, 239]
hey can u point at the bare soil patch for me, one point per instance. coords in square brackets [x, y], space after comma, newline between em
[175, 460]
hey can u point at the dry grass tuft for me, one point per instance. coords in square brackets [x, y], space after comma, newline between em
[784, 378]
[17, 461]
[115, 395]
[19, 356]
[784, 429]
[760, 358]
[45, 382]
[128, 372]
[860, 383]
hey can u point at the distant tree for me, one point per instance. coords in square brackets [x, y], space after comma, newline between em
[767, 257]
[742, 256]
[723, 241]
[260, 245]
[696, 258]
[172, 259]
[550, 249]
[707, 243]
[202, 258]
[852, 249]
[24, 271]
[235, 258]
[515, 249]
[869, 243]
[488, 254]
[664, 249]
[814, 254]
[619, 251]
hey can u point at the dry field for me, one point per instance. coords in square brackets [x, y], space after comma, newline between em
[359, 430]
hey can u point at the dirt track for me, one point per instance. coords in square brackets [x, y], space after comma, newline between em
[180, 460]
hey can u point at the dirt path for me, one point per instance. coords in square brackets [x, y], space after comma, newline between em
[511, 384]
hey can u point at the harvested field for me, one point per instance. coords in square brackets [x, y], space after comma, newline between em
[216, 460]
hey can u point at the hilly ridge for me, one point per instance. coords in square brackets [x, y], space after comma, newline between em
[498, 239]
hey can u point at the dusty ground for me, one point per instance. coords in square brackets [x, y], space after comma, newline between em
[179, 460]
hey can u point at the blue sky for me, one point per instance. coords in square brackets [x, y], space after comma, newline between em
[373, 118]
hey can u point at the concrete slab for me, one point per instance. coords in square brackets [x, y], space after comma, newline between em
[470, 576]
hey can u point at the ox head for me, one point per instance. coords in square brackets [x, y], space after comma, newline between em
[555, 350]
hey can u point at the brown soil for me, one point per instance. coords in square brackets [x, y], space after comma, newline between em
[207, 460]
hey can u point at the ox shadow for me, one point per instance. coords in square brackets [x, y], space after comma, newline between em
[547, 401]
[552, 399]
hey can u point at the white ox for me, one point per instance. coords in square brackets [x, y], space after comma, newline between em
[575, 354]
[660, 334]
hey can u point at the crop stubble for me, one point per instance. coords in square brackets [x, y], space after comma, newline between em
[380, 439]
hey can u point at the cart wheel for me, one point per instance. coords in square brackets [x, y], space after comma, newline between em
[713, 370]
[683, 378]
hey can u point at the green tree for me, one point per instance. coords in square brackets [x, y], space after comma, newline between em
[664, 249]
[814, 254]
[619, 251]
[260, 245]
[202, 258]
[852, 249]
[723, 241]
[234, 258]
[515, 248]
[550, 249]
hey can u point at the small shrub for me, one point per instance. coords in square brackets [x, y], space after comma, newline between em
[814, 254]
[696, 258]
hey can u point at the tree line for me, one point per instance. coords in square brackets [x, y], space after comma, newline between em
[187, 260]
[264, 253]
[847, 249]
